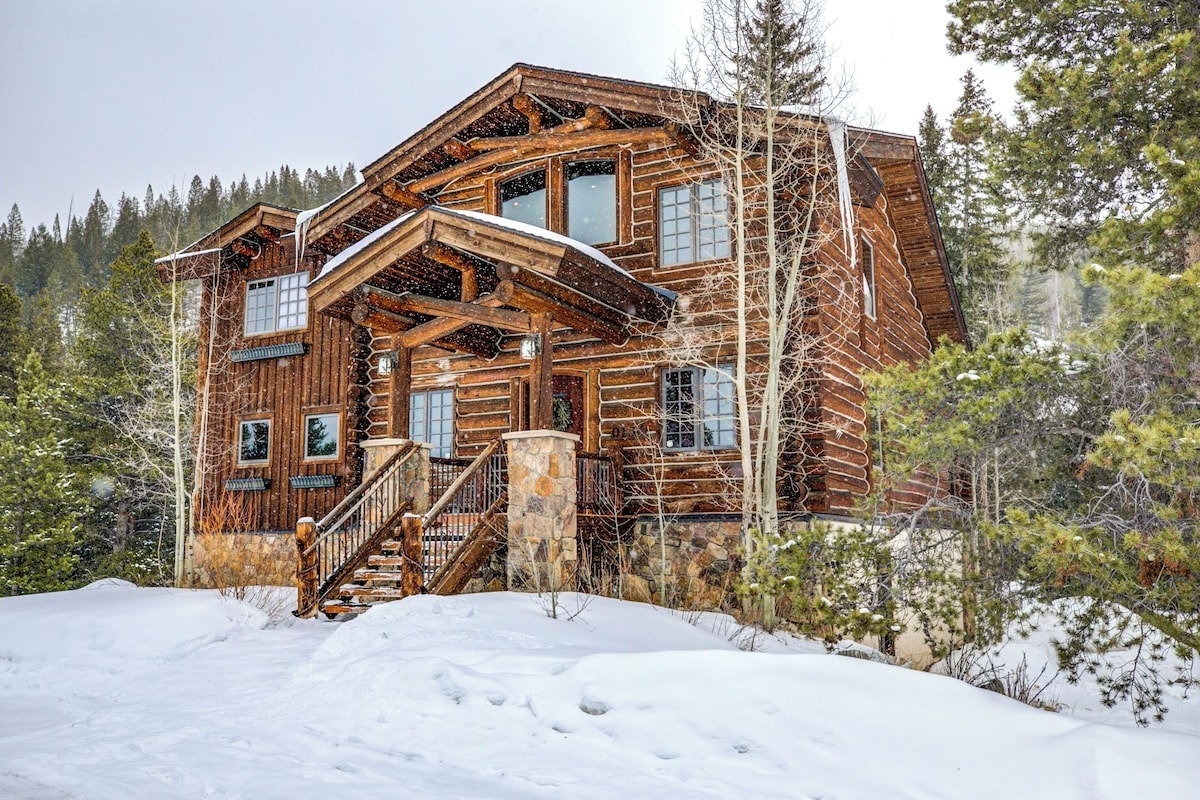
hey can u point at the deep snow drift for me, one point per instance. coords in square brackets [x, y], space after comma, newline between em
[117, 692]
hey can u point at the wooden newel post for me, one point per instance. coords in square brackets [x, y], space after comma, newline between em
[306, 567]
[412, 570]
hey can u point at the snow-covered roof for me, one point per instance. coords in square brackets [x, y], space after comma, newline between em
[351, 251]
[523, 228]
[185, 254]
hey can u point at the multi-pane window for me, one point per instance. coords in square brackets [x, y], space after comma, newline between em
[523, 198]
[321, 435]
[254, 441]
[277, 304]
[693, 223]
[870, 299]
[431, 420]
[698, 406]
[592, 201]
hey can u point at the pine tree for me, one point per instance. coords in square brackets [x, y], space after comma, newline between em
[1106, 141]
[783, 62]
[44, 334]
[971, 203]
[12, 342]
[41, 499]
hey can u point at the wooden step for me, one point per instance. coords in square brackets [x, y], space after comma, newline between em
[364, 575]
[370, 592]
[331, 607]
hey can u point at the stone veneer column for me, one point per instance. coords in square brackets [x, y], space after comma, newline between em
[542, 551]
[378, 451]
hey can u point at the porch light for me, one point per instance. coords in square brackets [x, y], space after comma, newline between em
[385, 364]
[531, 346]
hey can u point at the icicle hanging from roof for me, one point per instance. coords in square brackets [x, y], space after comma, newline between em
[837, 140]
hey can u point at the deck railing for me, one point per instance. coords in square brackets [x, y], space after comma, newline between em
[329, 550]
[478, 487]
[597, 484]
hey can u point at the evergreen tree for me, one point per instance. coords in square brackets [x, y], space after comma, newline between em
[44, 335]
[782, 62]
[41, 496]
[12, 242]
[12, 341]
[971, 203]
[1106, 142]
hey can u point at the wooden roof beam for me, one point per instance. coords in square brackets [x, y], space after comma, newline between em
[502, 149]
[572, 139]
[266, 233]
[536, 302]
[684, 138]
[406, 197]
[459, 150]
[436, 329]
[501, 318]
[530, 109]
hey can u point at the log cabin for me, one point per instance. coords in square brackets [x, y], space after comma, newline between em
[470, 352]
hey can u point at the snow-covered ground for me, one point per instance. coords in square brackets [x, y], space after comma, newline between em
[117, 692]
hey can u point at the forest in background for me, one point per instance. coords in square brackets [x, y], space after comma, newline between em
[84, 395]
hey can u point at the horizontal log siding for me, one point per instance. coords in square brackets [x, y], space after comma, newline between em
[834, 455]
[283, 390]
[896, 335]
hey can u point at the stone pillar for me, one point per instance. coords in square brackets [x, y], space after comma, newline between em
[378, 451]
[542, 551]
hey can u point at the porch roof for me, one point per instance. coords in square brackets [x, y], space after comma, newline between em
[461, 279]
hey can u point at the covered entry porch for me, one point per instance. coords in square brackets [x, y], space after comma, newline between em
[479, 286]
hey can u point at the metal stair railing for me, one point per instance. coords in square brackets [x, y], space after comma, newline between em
[474, 497]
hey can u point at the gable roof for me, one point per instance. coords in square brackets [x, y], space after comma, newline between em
[260, 223]
[469, 266]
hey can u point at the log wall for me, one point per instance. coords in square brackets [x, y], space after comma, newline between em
[282, 390]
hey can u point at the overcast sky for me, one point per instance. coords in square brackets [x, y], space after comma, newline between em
[120, 94]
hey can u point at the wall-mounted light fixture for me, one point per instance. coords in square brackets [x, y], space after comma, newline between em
[386, 363]
[531, 346]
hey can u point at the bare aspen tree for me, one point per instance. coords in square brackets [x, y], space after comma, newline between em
[781, 153]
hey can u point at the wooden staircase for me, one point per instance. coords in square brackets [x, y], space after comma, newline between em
[463, 527]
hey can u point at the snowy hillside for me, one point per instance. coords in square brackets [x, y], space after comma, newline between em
[117, 692]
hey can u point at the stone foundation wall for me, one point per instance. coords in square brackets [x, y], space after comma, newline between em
[693, 565]
[244, 559]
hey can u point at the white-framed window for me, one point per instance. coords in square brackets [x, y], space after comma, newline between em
[870, 300]
[321, 434]
[431, 420]
[277, 304]
[254, 442]
[698, 409]
[693, 223]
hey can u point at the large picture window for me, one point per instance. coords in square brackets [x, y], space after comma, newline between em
[592, 201]
[277, 304]
[698, 409]
[431, 420]
[254, 442]
[523, 198]
[693, 223]
[321, 436]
